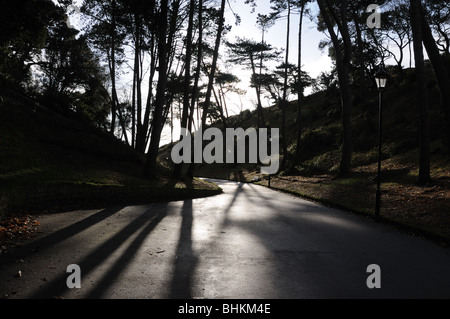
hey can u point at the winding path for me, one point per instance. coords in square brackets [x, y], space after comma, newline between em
[249, 242]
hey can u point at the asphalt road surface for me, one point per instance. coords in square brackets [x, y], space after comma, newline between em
[248, 243]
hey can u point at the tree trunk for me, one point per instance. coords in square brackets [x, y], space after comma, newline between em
[211, 76]
[138, 80]
[346, 161]
[113, 68]
[424, 161]
[142, 140]
[360, 58]
[219, 102]
[440, 71]
[214, 64]
[285, 89]
[343, 60]
[133, 97]
[300, 91]
[260, 112]
[187, 81]
[150, 169]
[261, 119]
[198, 70]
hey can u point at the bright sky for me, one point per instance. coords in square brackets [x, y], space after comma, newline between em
[314, 61]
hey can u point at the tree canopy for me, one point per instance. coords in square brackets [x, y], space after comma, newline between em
[133, 66]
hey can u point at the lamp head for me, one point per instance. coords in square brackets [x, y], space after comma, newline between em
[381, 78]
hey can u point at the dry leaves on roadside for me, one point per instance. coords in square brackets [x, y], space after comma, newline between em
[15, 229]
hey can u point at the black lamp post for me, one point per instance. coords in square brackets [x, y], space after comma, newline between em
[381, 79]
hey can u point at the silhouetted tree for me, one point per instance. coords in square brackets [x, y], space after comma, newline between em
[300, 85]
[334, 13]
[220, 29]
[187, 78]
[247, 53]
[440, 69]
[423, 103]
[106, 32]
[24, 28]
[163, 50]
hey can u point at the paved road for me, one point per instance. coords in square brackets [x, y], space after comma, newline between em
[250, 242]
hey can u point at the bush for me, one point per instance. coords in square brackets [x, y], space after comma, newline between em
[315, 141]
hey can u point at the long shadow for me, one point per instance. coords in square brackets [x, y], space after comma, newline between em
[269, 202]
[186, 259]
[326, 257]
[49, 241]
[125, 258]
[58, 286]
[282, 257]
[239, 190]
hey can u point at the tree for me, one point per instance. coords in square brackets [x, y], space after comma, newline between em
[141, 28]
[439, 67]
[213, 68]
[274, 82]
[198, 69]
[300, 86]
[264, 23]
[220, 30]
[417, 30]
[106, 33]
[187, 79]
[335, 13]
[280, 6]
[24, 28]
[150, 169]
[398, 31]
[438, 15]
[247, 52]
[226, 83]
[68, 65]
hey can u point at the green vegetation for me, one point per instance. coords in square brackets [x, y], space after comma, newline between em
[50, 162]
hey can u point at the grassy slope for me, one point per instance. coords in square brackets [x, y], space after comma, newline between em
[424, 209]
[49, 162]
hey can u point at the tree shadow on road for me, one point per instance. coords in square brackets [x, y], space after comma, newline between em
[49, 241]
[186, 260]
[125, 258]
[143, 224]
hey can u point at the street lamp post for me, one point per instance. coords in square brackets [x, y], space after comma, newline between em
[381, 79]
